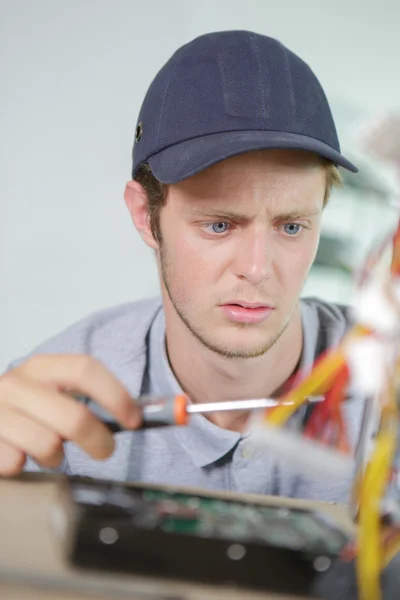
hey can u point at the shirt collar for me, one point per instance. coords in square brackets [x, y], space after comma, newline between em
[205, 442]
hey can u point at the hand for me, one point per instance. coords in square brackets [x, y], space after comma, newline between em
[37, 414]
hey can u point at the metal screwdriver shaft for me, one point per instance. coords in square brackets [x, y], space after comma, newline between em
[249, 404]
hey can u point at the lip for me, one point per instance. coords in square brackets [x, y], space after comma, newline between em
[247, 304]
[246, 312]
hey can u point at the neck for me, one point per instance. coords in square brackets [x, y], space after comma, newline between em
[206, 376]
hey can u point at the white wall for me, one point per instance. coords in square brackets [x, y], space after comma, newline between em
[73, 75]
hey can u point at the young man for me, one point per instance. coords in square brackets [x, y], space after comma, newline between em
[235, 155]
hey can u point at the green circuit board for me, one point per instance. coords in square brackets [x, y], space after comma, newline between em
[212, 518]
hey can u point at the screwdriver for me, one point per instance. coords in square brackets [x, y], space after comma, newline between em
[164, 411]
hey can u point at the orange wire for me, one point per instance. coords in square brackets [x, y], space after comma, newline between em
[395, 266]
[325, 369]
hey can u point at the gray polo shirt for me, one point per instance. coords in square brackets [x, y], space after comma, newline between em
[130, 341]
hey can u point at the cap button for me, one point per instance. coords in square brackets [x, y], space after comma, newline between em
[139, 131]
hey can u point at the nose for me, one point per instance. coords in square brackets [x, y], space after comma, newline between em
[254, 258]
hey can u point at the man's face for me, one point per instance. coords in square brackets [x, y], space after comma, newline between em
[238, 241]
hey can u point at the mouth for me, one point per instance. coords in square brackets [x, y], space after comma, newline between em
[245, 304]
[240, 311]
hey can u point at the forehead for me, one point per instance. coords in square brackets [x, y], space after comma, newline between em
[266, 175]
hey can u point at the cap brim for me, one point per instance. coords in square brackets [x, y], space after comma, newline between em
[192, 156]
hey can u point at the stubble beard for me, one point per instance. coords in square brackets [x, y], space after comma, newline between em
[166, 275]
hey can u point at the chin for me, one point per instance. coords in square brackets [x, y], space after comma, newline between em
[240, 346]
[240, 352]
[255, 334]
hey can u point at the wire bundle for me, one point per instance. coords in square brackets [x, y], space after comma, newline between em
[377, 331]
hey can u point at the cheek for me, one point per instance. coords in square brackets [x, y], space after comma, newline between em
[189, 269]
[196, 260]
[296, 263]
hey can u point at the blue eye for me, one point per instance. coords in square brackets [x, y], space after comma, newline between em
[218, 226]
[292, 228]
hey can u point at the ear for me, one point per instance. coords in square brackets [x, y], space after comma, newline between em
[137, 203]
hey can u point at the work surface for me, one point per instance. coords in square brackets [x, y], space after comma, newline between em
[32, 566]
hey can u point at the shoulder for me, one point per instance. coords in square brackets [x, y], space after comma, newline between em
[329, 314]
[326, 320]
[113, 334]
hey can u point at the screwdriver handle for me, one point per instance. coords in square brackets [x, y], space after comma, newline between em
[157, 411]
[164, 411]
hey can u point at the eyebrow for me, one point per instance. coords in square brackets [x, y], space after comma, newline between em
[297, 214]
[238, 216]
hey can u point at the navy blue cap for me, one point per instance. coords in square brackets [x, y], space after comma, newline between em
[227, 93]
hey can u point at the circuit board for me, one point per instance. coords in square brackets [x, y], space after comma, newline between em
[212, 518]
[160, 532]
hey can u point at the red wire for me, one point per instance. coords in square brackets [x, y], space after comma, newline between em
[326, 422]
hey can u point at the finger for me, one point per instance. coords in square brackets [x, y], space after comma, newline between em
[11, 460]
[60, 413]
[30, 437]
[88, 376]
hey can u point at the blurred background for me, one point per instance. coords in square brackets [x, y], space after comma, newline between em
[73, 76]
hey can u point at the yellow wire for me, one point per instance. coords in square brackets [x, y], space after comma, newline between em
[322, 373]
[316, 382]
[369, 560]
[373, 486]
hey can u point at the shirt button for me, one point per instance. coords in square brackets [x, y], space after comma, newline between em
[247, 453]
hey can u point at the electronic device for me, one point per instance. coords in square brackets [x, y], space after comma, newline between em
[158, 532]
